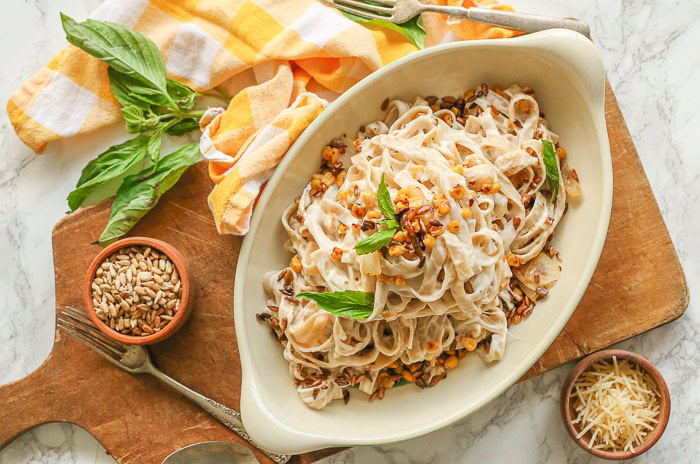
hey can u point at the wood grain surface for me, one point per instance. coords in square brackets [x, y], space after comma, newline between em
[140, 421]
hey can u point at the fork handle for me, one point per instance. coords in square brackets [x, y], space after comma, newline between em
[517, 21]
[227, 416]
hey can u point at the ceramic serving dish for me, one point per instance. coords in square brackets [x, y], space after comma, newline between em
[567, 73]
[567, 404]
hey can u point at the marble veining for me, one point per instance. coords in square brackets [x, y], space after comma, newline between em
[650, 52]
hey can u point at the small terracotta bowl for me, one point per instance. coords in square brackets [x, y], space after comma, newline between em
[567, 403]
[184, 308]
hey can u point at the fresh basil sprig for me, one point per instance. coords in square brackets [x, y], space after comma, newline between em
[412, 29]
[116, 161]
[354, 304]
[153, 105]
[382, 237]
[141, 192]
[549, 156]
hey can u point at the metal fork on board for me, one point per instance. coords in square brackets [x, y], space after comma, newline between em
[135, 360]
[400, 11]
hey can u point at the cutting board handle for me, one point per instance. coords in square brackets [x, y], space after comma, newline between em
[30, 401]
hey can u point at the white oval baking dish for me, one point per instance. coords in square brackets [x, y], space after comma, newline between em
[567, 73]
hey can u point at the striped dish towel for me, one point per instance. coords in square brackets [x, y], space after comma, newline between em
[281, 59]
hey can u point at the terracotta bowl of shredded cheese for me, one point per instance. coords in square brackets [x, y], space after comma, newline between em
[615, 404]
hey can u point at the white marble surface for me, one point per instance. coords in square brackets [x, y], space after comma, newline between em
[650, 48]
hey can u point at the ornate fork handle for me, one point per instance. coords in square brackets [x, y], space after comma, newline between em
[225, 415]
[518, 21]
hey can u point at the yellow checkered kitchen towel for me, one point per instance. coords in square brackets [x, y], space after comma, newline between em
[283, 59]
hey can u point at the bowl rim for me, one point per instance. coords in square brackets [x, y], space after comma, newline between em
[665, 402]
[260, 422]
[178, 261]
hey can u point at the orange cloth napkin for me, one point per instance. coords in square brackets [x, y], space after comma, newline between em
[283, 60]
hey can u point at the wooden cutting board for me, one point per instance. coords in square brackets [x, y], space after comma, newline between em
[140, 421]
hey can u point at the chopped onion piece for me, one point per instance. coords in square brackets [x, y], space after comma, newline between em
[571, 183]
[529, 292]
[545, 268]
[371, 264]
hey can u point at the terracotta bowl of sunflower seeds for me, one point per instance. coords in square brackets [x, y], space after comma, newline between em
[137, 291]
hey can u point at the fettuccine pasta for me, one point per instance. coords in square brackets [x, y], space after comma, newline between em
[469, 184]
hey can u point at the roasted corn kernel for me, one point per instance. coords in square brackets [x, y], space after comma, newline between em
[453, 226]
[335, 154]
[326, 153]
[457, 192]
[429, 242]
[328, 178]
[341, 177]
[443, 208]
[416, 170]
[367, 198]
[513, 260]
[397, 250]
[469, 344]
[451, 362]
[358, 211]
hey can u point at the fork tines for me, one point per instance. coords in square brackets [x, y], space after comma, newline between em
[364, 10]
[78, 324]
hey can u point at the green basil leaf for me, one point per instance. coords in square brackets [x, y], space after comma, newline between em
[135, 120]
[153, 148]
[390, 223]
[183, 127]
[375, 241]
[148, 96]
[141, 192]
[134, 93]
[131, 92]
[117, 160]
[386, 206]
[121, 86]
[412, 29]
[549, 156]
[183, 95]
[349, 303]
[127, 51]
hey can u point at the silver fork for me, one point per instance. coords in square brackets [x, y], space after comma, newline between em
[400, 11]
[135, 360]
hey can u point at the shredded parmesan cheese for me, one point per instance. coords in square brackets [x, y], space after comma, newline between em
[617, 403]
